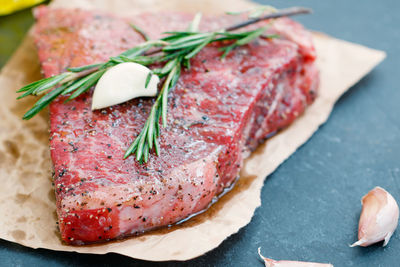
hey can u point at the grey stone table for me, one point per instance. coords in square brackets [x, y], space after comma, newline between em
[311, 203]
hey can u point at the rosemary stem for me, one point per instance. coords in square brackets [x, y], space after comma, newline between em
[164, 93]
[291, 11]
[78, 75]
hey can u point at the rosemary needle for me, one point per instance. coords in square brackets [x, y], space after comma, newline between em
[174, 51]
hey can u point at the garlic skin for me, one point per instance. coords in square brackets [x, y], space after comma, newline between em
[274, 263]
[121, 83]
[379, 218]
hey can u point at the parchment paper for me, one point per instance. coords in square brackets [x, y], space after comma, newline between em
[27, 204]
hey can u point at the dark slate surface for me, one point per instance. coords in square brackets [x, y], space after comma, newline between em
[311, 204]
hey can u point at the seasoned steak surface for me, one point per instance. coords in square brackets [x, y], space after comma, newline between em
[218, 112]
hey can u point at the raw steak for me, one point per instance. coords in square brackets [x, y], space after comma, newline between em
[218, 113]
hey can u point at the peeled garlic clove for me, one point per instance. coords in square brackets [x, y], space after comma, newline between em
[379, 218]
[121, 83]
[274, 263]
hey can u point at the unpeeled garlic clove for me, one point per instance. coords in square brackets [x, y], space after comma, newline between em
[123, 82]
[274, 263]
[379, 217]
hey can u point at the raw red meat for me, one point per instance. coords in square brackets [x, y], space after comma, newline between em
[218, 113]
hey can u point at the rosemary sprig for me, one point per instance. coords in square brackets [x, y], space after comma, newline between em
[174, 51]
